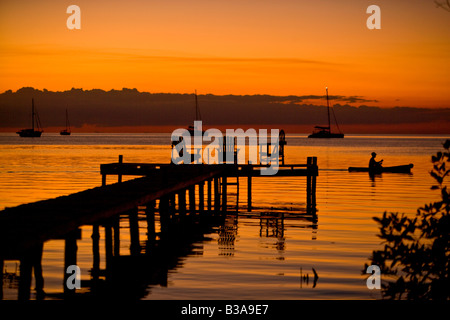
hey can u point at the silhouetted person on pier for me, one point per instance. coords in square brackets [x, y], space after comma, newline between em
[373, 164]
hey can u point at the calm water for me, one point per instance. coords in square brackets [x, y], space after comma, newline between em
[250, 257]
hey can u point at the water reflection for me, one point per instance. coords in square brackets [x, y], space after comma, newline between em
[10, 279]
[227, 236]
[132, 275]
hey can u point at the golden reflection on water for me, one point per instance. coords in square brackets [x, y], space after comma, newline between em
[249, 258]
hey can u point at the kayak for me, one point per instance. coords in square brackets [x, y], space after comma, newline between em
[396, 169]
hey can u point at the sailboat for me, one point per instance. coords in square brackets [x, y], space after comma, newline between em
[66, 131]
[198, 117]
[32, 133]
[325, 132]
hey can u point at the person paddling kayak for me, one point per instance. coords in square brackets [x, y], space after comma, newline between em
[373, 164]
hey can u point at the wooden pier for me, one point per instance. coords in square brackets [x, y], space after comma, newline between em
[176, 193]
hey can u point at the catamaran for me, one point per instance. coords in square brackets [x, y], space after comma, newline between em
[325, 132]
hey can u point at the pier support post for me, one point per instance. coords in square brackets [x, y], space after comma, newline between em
[37, 265]
[172, 205]
[119, 176]
[224, 194]
[26, 268]
[182, 203]
[164, 214]
[150, 215]
[95, 251]
[308, 183]
[70, 258]
[31, 260]
[116, 228]
[209, 196]
[216, 195]
[1, 277]
[192, 200]
[311, 184]
[108, 250]
[201, 198]
[249, 188]
[135, 247]
[237, 193]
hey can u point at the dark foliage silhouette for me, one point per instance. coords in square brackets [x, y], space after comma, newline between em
[415, 259]
[444, 4]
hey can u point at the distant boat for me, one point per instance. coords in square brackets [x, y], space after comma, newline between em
[395, 169]
[32, 133]
[325, 132]
[198, 117]
[66, 131]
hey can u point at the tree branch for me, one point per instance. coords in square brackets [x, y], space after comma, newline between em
[444, 5]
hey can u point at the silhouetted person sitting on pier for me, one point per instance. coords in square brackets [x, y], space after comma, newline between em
[373, 164]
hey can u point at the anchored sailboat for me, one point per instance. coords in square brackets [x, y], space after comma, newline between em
[325, 132]
[66, 131]
[32, 133]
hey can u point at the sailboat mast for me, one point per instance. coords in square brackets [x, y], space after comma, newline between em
[196, 107]
[328, 109]
[67, 121]
[32, 113]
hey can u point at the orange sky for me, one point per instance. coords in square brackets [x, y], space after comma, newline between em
[285, 47]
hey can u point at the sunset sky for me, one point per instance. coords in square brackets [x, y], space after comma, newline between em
[282, 47]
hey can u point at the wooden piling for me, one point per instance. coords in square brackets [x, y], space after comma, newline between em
[249, 188]
[308, 184]
[201, 198]
[135, 247]
[116, 229]
[31, 260]
[37, 266]
[1, 277]
[150, 215]
[224, 194]
[209, 195]
[313, 183]
[70, 258]
[172, 205]
[164, 214]
[237, 193]
[95, 251]
[216, 195]
[108, 250]
[182, 202]
[26, 268]
[119, 176]
[192, 200]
